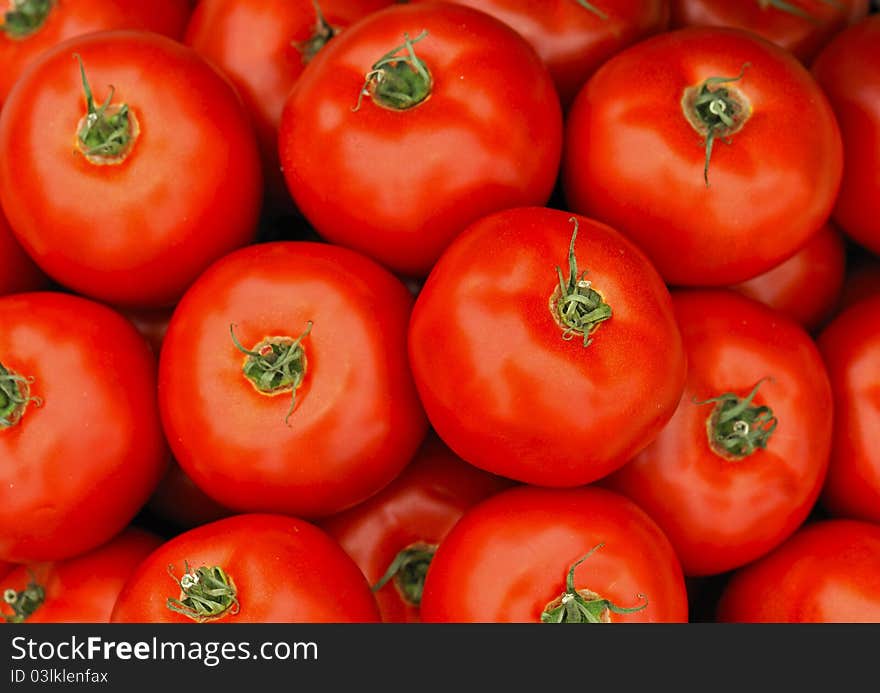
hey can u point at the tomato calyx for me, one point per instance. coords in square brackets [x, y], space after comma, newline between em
[577, 307]
[206, 594]
[26, 17]
[323, 32]
[592, 8]
[584, 606]
[25, 602]
[736, 428]
[716, 111]
[785, 6]
[106, 134]
[275, 365]
[15, 395]
[398, 82]
[409, 570]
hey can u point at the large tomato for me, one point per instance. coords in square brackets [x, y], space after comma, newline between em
[546, 375]
[828, 572]
[712, 149]
[128, 204]
[82, 589]
[806, 287]
[849, 72]
[740, 465]
[284, 384]
[31, 27]
[81, 445]
[799, 26]
[574, 37]
[415, 122]
[393, 535]
[18, 272]
[248, 569]
[562, 555]
[850, 345]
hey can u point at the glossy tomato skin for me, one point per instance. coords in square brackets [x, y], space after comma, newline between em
[806, 287]
[508, 557]
[398, 185]
[721, 513]
[285, 570]
[134, 233]
[848, 70]
[501, 384]
[256, 43]
[850, 345]
[91, 453]
[573, 41]
[84, 588]
[418, 508]
[828, 572]
[804, 36]
[357, 419]
[634, 161]
[72, 18]
[18, 273]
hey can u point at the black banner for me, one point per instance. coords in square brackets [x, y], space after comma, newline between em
[392, 657]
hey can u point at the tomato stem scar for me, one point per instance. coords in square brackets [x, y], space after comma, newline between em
[409, 570]
[206, 594]
[26, 17]
[396, 81]
[577, 306]
[15, 395]
[107, 132]
[584, 606]
[322, 34]
[25, 602]
[736, 428]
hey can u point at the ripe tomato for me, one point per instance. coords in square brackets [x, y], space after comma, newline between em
[82, 589]
[800, 26]
[134, 220]
[31, 27]
[263, 46]
[248, 569]
[850, 345]
[393, 535]
[828, 572]
[574, 38]
[81, 446]
[501, 360]
[510, 557]
[724, 484]
[179, 501]
[807, 286]
[711, 203]
[407, 127]
[849, 72]
[283, 380]
[18, 272]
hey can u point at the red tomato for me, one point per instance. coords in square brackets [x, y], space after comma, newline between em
[38, 25]
[129, 223]
[574, 38]
[18, 272]
[639, 139]
[510, 557]
[849, 72]
[828, 572]
[501, 359]
[322, 412]
[850, 345]
[82, 589]
[740, 465]
[248, 569]
[81, 446]
[800, 26]
[263, 46]
[179, 501]
[807, 286]
[393, 535]
[398, 182]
